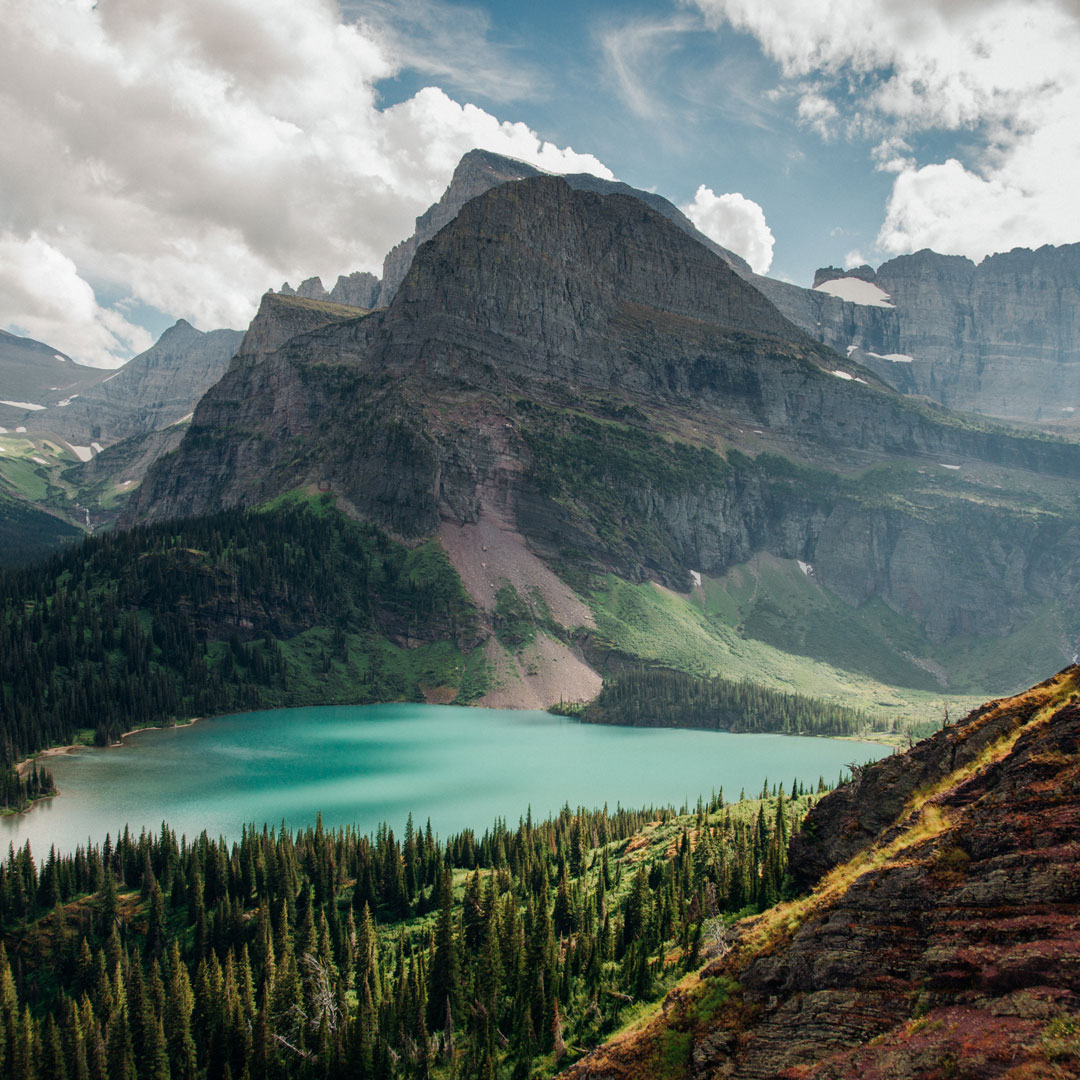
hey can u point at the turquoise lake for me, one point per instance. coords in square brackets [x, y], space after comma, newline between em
[361, 765]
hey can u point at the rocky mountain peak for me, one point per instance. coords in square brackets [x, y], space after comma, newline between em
[539, 262]
[835, 273]
[476, 172]
[360, 289]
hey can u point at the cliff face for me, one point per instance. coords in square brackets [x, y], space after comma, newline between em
[942, 940]
[1001, 338]
[481, 170]
[581, 368]
[150, 392]
[35, 374]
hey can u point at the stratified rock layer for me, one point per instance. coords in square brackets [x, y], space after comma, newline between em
[1000, 338]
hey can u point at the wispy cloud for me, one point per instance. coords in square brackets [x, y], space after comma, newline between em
[450, 43]
[636, 53]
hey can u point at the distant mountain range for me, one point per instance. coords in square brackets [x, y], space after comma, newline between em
[563, 373]
[575, 383]
[1001, 338]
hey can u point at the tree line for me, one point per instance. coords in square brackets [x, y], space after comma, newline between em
[326, 954]
[660, 697]
[17, 792]
[182, 619]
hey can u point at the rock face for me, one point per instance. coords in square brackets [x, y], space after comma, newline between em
[35, 374]
[1001, 338]
[479, 171]
[948, 932]
[360, 289]
[580, 367]
[151, 391]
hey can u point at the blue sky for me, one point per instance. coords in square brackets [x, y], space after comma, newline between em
[689, 107]
[174, 158]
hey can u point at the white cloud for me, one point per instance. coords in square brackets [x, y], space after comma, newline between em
[635, 51]
[42, 296]
[189, 153]
[818, 112]
[734, 222]
[1002, 73]
[892, 154]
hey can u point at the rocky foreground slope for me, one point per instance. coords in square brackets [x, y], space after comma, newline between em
[942, 935]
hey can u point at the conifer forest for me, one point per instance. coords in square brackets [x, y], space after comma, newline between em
[328, 954]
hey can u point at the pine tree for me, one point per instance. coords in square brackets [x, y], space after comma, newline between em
[445, 978]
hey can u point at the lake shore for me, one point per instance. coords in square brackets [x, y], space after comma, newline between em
[360, 766]
[23, 767]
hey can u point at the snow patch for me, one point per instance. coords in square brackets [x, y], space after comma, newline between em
[182, 420]
[110, 378]
[944, 466]
[3, 431]
[96, 447]
[66, 401]
[696, 577]
[805, 567]
[20, 430]
[38, 460]
[852, 348]
[3, 450]
[893, 357]
[856, 291]
[1068, 409]
[843, 375]
[126, 483]
[57, 356]
[83, 453]
[28, 405]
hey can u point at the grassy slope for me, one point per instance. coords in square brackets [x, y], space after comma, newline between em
[655, 624]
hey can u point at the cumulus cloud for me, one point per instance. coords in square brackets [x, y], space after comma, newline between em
[734, 222]
[1001, 73]
[43, 296]
[186, 154]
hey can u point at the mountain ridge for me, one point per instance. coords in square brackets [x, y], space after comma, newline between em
[536, 330]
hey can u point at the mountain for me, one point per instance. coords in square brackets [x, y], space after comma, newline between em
[479, 171]
[573, 382]
[33, 375]
[152, 390]
[1000, 338]
[359, 289]
[61, 415]
[939, 938]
